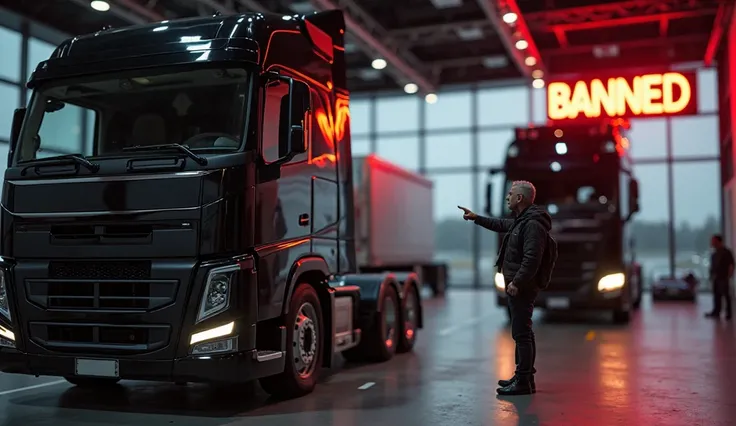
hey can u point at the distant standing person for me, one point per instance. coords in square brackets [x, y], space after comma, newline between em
[520, 257]
[721, 272]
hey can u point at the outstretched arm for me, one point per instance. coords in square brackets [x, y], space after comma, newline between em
[494, 224]
[534, 242]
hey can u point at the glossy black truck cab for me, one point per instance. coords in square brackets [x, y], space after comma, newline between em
[204, 232]
[584, 179]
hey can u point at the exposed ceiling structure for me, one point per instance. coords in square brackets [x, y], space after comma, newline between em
[421, 45]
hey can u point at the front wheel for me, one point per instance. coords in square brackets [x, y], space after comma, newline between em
[304, 340]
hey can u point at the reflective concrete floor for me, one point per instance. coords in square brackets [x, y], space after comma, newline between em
[670, 366]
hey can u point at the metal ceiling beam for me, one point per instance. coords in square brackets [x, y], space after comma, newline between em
[566, 18]
[612, 11]
[720, 28]
[510, 34]
[375, 40]
[655, 44]
[629, 20]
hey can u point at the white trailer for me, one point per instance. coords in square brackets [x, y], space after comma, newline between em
[394, 221]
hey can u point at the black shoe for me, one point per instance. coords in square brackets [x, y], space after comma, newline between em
[517, 387]
[712, 315]
[505, 383]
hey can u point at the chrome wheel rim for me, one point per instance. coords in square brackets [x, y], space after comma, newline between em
[389, 322]
[305, 340]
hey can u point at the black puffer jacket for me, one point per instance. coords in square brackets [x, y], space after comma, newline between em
[523, 245]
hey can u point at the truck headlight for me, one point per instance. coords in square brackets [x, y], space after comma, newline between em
[611, 282]
[499, 281]
[4, 302]
[216, 294]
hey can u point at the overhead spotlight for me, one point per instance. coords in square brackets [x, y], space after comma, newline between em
[99, 5]
[510, 17]
[379, 64]
[530, 61]
[522, 44]
[537, 74]
[411, 88]
[538, 83]
[431, 98]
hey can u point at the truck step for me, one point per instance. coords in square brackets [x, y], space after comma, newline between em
[263, 356]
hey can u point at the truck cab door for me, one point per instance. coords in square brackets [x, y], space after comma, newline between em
[283, 198]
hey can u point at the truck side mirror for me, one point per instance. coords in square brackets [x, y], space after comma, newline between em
[633, 195]
[299, 101]
[294, 107]
[633, 198]
[489, 197]
[18, 116]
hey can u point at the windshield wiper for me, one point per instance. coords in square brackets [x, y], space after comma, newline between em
[170, 146]
[61, 160]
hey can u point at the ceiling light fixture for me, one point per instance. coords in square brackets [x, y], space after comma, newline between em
[431, 98]
[379, 64]
[411, 88]
[99, 5]
[510, 17]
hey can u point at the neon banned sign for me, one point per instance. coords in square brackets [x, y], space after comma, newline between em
[648, 95]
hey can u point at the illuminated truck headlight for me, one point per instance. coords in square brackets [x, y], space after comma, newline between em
[499, 281]
[4, 302]
[611, 282]
[216, 295]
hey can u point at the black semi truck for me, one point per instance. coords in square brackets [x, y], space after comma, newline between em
[583, 177]
[206, 231]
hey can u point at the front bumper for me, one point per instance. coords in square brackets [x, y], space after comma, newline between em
[574, 300]
[227, 368]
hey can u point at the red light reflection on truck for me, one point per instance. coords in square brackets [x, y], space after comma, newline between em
[332, 126]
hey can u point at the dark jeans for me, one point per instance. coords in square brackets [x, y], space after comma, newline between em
[521, 308]
[721, 290]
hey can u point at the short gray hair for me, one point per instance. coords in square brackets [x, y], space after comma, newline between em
[526, 189]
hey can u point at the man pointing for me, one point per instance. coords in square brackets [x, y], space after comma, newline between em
[520, 257]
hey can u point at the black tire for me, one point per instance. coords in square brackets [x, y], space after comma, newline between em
[92, 382]
[410, 327]
[304, 350]
[373, 345]
[621, 317]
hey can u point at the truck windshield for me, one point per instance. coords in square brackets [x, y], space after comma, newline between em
[202, 109]
[572, 192]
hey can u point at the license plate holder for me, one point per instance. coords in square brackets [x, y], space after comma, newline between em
[558, 303]
[97, 367]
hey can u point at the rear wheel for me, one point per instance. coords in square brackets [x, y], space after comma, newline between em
[379, 343]
[304, 343]
[92, 382]
[408, 336]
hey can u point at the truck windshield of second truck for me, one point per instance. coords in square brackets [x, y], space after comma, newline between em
[119, 115]
[573, 192]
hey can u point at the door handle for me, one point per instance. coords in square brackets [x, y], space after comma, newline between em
[303, 219]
